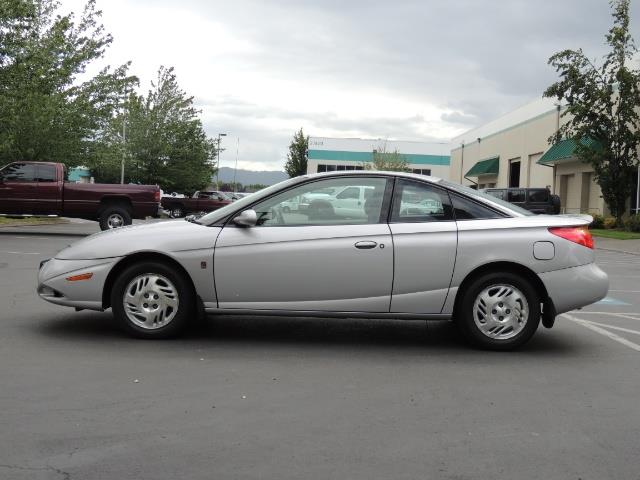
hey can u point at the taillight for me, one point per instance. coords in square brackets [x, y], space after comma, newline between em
[157, 196]
[580, 235]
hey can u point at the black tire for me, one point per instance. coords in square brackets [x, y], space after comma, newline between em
[112, 214]
[185, 300]
[177, 211]
[465, 316]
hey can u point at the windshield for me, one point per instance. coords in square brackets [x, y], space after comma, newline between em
[487, 197]
[240, 204]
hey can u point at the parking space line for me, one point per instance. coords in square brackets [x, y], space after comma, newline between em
[613, 327]
[605, 313]
[602, 331]
[625, 291]
[22, 253]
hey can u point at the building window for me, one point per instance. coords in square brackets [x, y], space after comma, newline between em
[514, 172]
[332, 168]
[422, 171]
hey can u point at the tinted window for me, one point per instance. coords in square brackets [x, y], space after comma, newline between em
[315, 203]
[515, 196]
[420, 202]
[19, 172]
[46, 173]
[466, 209]
[540, 195]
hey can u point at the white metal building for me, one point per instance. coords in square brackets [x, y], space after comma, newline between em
[330, 154]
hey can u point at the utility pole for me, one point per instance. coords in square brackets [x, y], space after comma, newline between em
[124, 137]
[235, 169]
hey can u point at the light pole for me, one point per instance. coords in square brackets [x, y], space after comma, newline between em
[218, 160]
[235, 169]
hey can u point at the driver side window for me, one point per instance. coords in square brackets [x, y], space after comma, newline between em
[332, 201]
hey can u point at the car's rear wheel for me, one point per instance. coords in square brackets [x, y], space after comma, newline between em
[499, 311]
[152, 300]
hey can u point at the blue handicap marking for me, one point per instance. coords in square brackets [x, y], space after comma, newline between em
[611, 301]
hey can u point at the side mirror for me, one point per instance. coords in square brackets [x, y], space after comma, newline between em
[248, 218]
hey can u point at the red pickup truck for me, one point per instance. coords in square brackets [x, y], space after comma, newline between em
[199, 202]
[39, 188]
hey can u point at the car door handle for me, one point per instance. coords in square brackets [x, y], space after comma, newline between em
[366, 245]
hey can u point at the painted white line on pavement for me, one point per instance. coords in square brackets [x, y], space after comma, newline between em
[23, 253]
[622, 315]
[582, 312]
[613, 327]
[602, 331]
[625, 291]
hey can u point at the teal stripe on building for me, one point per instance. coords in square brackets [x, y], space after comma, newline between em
[412, 158]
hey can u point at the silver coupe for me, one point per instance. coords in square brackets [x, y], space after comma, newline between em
[382, 245]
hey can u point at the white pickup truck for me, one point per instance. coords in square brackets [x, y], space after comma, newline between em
[346, 202]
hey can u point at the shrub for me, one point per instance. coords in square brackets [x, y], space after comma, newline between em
[598, 222]
[632, 224]
[610, 223]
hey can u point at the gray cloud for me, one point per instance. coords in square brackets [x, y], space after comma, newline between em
[477, 59]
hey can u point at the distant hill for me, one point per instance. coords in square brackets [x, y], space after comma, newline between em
[248, 177]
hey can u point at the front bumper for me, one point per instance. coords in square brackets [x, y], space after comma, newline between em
[54, 286]
[575, 287]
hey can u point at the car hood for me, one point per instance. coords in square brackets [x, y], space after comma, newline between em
[170, 236]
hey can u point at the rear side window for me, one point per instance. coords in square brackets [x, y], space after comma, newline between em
[515, 196]
[19, 172]
[539, 195]
[465, 209]
[46, 173]
[419, 202]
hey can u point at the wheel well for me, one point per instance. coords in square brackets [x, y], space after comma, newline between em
[515, 268]
[123, 201]
[135, 258]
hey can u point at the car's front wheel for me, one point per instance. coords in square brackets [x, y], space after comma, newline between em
[499, 311]
[152, 300]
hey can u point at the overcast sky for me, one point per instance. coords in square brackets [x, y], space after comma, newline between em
[405, 70]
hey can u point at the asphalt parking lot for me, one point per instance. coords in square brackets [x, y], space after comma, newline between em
[278, 398]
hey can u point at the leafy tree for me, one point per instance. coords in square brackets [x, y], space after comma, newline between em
[165, 140]
[602, 110]
[297, 157]
[389, 161]
[49, 110]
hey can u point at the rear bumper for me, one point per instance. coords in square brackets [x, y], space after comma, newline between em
[575, 287]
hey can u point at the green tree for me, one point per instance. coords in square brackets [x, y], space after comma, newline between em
[49, 109]
[297, 157]
[602, 110]
[389, 161]
[165, 140]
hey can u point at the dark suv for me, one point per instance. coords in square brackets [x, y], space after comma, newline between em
[536, 200]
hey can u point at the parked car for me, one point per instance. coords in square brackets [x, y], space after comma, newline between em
[201, 201]
[495, 269]
[39, 188]
[536, 200]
